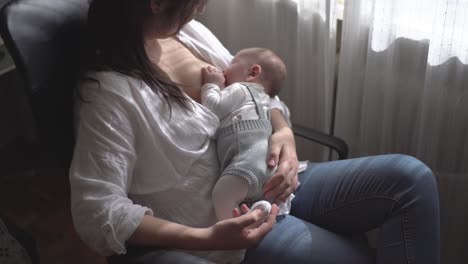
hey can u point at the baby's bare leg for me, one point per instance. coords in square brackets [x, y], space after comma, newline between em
[228, 193]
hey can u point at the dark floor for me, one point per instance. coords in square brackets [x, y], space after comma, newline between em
[37, 201]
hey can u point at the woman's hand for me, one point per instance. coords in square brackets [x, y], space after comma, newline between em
[239, 232]
[282, 153]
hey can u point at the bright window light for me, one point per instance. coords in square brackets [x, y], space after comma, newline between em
[340, 9]
[443, 23]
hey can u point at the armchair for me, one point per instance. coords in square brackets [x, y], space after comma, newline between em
[43, 37]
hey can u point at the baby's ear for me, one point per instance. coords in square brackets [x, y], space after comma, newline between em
[254, 72]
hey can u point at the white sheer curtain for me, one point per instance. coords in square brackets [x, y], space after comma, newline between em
[302, 32]
[403, 88]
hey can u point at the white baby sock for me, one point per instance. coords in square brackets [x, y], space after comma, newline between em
[265, 207]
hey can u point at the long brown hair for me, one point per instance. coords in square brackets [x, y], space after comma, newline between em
[116, 41]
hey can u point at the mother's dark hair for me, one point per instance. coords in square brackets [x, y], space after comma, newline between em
[116, 41]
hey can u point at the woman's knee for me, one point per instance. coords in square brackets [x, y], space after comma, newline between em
[410, 175]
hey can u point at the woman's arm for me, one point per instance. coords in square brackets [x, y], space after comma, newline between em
[161, 233]
[282, 153]
[101, 171]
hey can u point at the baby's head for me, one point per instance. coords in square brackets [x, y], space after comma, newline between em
[257, 65]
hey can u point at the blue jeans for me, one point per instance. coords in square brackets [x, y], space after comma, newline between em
[337, 202]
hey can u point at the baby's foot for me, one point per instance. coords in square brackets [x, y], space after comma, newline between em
[263, 206]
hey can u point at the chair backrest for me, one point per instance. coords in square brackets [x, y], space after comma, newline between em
[44, 37]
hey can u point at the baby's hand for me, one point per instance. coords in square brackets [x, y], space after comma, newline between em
[214, 75]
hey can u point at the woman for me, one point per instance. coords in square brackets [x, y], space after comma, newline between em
[144, 164]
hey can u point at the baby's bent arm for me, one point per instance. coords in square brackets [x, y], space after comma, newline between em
[222, 101]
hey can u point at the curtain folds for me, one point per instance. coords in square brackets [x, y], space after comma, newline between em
[302, 32]
[403, 88]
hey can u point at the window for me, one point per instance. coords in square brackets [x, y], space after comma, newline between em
[441, 22]
[340, 9]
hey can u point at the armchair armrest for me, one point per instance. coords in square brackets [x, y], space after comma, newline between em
[333, 142]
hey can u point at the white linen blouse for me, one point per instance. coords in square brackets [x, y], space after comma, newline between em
[131, 157]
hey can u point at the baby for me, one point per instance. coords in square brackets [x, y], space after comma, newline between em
[255, 75]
